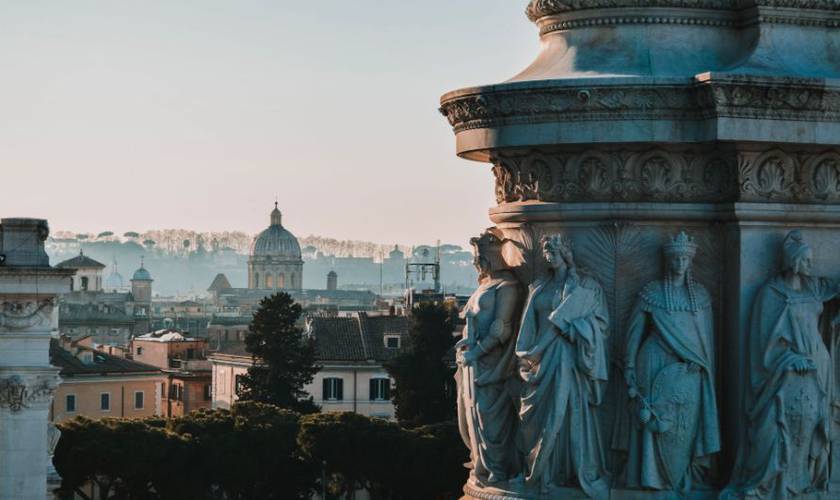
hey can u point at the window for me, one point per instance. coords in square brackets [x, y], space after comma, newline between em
[237, 388]
[392, 341]
[70, 403]
[333, 389]
[208, 392]
[281, 280]
[84, 283]
[105, 401]
[138, 400]
[380, 389]
[269, 281]
[139, 351]
[190, 353]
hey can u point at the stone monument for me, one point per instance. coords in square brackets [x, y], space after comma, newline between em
[28, 318]
[672, 169]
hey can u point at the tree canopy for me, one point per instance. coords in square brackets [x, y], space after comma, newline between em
[423, 370]
[284, 358]
[257, 451]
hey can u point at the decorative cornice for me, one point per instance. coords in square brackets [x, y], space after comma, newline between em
[781, 99]
[795, 4]
[538, 9]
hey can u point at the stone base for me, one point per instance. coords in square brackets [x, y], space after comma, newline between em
[475, 492]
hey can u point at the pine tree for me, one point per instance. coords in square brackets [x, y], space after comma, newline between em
[423, 371]
[284, 358]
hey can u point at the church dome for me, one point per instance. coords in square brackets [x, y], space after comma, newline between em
[276, 241]
[115, 280]
[141, 274]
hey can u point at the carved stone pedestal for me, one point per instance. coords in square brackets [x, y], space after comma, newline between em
[28, 318]
[642, 119]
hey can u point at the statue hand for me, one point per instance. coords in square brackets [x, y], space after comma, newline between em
[471, 356]
[630, 377]
[803, 365]
[644, 415]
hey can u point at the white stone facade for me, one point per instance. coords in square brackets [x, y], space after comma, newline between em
[28, 318]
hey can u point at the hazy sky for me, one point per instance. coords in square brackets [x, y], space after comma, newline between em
[131, 115]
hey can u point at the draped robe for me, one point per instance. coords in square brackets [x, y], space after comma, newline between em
[564, 376]
[487, 390]
[661, 337]
[784, 329]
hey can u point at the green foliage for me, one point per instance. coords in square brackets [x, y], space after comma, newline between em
[423, 372]
[390, 462]
[246, 453]
[285, 358]
[125, 459]
[257, 451]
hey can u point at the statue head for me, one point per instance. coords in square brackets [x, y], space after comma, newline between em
[487, 249]
[557, 250]
[797, 254]
[679, 253]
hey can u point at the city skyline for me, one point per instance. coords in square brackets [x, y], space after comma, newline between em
[152, 115]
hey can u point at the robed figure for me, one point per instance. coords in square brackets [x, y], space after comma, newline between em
[669, 370]
[563, 365]
[486, 376]
[787, 404]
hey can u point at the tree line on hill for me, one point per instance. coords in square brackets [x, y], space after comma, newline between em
[274, 443]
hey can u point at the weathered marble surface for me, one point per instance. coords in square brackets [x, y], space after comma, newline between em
[488, 389]
[641, 119]
[28, 317]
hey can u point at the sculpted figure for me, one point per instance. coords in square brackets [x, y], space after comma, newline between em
[669, 370]
[787, 405]
[563, 364]
[486, 373]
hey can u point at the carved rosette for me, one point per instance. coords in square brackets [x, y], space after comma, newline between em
[25, 314]
[24, 391]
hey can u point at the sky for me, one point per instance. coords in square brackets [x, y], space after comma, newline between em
[148, 114]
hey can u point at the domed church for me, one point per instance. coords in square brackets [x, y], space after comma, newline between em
[275, 261]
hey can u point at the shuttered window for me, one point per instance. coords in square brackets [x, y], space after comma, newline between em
[380, 389]
[333, 389]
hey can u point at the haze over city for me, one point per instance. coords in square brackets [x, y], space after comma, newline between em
[130, 116]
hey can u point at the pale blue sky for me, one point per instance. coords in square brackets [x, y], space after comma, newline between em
[138, 114]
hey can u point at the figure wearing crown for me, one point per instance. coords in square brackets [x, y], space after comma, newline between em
[673, 430]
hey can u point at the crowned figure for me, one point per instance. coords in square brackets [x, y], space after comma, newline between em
[563, 364]
[669, 371]
[486, 374]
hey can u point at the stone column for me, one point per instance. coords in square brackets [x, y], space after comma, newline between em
[28, 317]
[641, 118]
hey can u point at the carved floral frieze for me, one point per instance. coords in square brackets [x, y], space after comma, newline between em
[779, 176]
[702, 175]
[597, 175]
[26, 314]
[18, 392]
